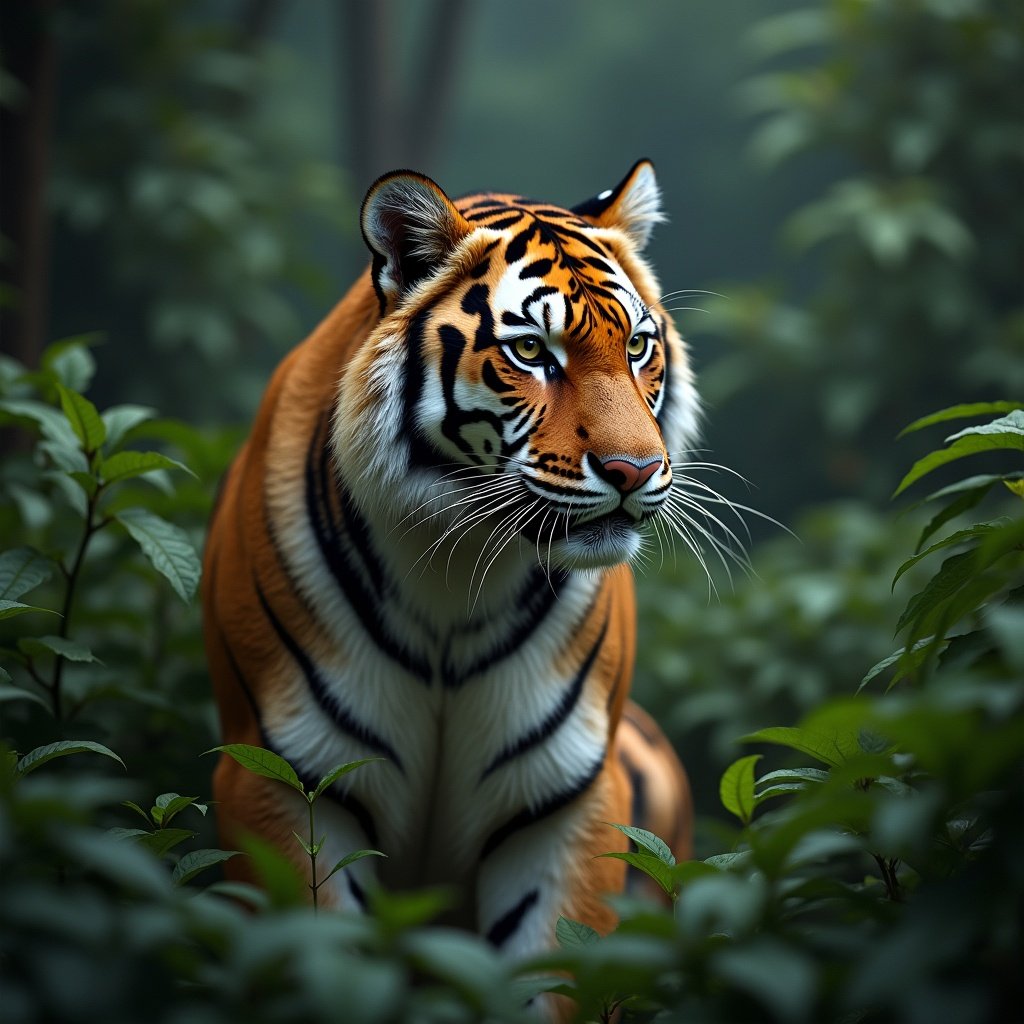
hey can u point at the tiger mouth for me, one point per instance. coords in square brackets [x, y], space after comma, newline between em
[612, 526]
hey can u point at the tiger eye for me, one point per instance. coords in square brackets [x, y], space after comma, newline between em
[527, 348]
[637, 345]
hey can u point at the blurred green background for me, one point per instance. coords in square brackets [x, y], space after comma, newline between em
[843, 182]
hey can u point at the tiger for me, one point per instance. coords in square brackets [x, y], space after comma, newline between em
[423, 554]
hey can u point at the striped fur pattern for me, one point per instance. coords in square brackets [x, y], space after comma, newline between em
[422, 553]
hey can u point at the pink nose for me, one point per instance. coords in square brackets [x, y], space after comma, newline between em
[625, 475]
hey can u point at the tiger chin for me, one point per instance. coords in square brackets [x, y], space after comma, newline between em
[422, 554]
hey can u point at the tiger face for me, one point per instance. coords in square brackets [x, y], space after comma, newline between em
[524, 378]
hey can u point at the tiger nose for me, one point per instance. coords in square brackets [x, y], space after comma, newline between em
[623, 475]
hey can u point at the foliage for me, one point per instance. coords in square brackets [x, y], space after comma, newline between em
[912, 252]
[173, 145]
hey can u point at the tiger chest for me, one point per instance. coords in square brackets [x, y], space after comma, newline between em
[496, 728]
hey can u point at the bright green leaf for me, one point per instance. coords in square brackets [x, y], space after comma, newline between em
[84, 419]
[647, 841]
[958, 412]
[262, 762]
[336, 773]
[966, 443]
[736, 788]
[651, 865]
[124, 465]
[833, 747]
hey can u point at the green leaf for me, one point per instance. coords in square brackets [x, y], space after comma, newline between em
[956, 571]
[572, 934]
[52, 424]
[10, 693]
[38, 757]
[165, 839]
[647, 841]
[124, 465]
[21, 570]
[963, 503]
[651, 865]
[120, 834]
[119, 419]
[1007, 433]
[192, 863]
[976, 532]
[261, 762]
[137, 809]
[351, 858]
[71, 362]
[167, 547]
[8, 609]
[736, 788]
[831, 747]
[336, 773]
[170, 804]
[957, 412]
[84, 419]
[63, 648]
[907, 658]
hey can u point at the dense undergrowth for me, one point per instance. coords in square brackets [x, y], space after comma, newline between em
[872, 874]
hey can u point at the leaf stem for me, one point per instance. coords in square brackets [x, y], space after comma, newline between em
[72, 575]
[314, 887]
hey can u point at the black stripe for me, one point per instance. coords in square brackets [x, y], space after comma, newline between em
[335, 551]
[528, 816]
[326, 700]
[537, 602]
[561, 712]
[506, 926]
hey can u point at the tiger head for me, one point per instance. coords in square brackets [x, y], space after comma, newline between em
[522, 369]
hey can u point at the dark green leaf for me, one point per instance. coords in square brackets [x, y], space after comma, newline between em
[22, 569]
[8, 609]
[171, 804]
[38, 757]
[966, 443]
[351, 858]
[262, 762]
[907, 659]
[573, 935]
[165, 839]
[10, 693]
[192, 863]
[166, 546]
[955, 572]
[963, 503]
[52, 424]
[137, 809]
[69, 649]
[975, 532]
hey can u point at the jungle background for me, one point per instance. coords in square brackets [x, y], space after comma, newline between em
[179, 190]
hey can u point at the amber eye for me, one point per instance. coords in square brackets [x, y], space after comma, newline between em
[527, 348]
[637, 345]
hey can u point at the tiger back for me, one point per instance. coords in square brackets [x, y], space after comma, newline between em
[422, 554]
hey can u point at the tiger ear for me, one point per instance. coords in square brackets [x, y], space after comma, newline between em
[410, 226]
[633, 206]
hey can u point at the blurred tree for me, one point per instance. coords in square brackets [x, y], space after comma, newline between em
[395, 120]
